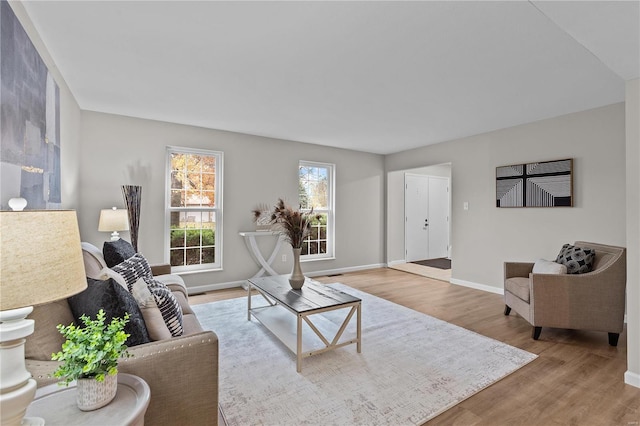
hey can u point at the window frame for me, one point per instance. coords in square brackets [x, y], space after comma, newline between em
[330, 211]
[217, 210]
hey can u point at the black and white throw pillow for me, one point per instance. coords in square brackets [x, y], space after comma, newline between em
[578, 260]
[133, 269]
[152, 296]
[168, 304]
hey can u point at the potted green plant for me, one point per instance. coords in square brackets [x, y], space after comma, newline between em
[90, 356]
[295, 225]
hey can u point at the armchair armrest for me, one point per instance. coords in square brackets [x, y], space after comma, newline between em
[160, 269]
[517, 269]
[591, 301]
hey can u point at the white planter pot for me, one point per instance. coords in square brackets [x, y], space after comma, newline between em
[93, 394]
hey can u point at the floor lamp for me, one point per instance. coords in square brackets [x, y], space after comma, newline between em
[40, 262]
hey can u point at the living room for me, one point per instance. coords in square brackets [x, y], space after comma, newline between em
[104, 147]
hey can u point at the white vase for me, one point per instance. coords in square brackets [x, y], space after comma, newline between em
[297, 277]
[93, 394]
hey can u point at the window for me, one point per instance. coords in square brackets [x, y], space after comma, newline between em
[315, 190]
[193, 209]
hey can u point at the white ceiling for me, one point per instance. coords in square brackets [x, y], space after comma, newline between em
[378, 77]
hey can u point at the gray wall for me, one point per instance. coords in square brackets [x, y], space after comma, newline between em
[484, 236]
[119, 150]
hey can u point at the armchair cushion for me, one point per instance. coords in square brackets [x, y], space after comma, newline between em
[578, 260]
[115, 252]
[116, 302]
[518, 286]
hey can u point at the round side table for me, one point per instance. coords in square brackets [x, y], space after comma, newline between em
[57, 405]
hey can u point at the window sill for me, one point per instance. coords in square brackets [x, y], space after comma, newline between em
[316, 259]
[198, 271]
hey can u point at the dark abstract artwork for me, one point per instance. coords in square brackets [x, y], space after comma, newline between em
[543, 184]
[29, 120]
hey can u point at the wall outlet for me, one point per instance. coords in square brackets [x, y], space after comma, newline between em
[284, 257]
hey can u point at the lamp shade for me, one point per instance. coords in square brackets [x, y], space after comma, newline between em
[40, 257]
[113, 220]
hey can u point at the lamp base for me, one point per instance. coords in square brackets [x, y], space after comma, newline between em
[17, 388]
[115, 236]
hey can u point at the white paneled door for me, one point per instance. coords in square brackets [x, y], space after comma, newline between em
[426, 217]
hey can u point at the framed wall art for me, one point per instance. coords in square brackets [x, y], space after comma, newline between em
[542, 184]
[29, 120]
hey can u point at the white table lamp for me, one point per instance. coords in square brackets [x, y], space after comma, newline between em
[113, 220]
[40, 262]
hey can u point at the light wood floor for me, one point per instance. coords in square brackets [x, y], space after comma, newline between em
[576, 380]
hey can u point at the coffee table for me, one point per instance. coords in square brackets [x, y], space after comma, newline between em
[306, 305]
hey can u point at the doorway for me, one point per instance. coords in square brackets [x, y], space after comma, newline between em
[426, 217]
[395, 232]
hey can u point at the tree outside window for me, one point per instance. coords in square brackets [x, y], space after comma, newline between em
[194, 210]
[315, 191]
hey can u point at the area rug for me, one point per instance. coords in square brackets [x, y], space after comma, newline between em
[440, 263]
[412, 368]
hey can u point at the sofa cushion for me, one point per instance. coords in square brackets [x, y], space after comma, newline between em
[543, 266]
[46, 339]
[115, 252]
[519, 287]
[116, 302]
[153, 298]
[578, 260]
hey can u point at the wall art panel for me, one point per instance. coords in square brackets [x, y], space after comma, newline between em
[542, 184]
[29, 120]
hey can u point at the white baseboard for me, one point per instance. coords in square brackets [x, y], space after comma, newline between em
[632, 378]
[233, 284]
[477, 286]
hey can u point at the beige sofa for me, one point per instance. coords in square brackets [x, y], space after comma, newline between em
[590, 301]
[182, 372]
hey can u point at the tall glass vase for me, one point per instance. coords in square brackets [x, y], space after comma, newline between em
[297, 277]
[133, 200]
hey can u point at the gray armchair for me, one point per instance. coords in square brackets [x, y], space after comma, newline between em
[590, 301]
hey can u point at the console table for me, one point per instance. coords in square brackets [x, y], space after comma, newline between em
[254, 250]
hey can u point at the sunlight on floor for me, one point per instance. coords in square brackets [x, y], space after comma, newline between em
[425, 271]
